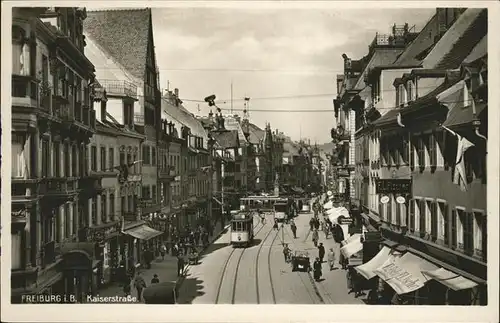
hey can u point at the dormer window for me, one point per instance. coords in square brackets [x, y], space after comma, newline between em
[409, 89]
[401, 95]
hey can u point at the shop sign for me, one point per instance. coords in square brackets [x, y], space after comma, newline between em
[344, 220]
[393, 186]
[384, 199]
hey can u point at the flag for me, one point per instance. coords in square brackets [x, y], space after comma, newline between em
[459, 177]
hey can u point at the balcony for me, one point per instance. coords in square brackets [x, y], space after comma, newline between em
[24, 91]
[166, 173]
[90, 185]
[129, 216]
[134, 178]
[119, 88]
[59, 188]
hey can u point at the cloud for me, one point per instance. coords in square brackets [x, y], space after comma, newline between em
[295, 52]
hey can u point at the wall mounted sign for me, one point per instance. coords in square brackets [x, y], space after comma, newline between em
[400, 199]
[384, 199]
[393, 186]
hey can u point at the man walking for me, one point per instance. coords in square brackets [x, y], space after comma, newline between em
[321, 252]
[139, 284]
[315, 237]
[293, 227]
[180, 264]
[331, 259]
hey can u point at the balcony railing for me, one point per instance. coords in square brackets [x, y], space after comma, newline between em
[119, 88]
[129, 216]
[139, 119]
[58, 186]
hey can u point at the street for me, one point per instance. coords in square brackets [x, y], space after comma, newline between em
[259, 274]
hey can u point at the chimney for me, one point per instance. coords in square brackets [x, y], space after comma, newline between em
[176, 91]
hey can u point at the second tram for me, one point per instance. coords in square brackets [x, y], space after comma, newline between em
[242, 228]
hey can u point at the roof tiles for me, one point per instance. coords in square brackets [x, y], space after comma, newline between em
[227, 139]
[124, 34]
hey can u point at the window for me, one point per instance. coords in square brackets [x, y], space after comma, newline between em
[103, 159]
[467, 220]
[422, 216]
[123, 205]
[16, 250]
[153, 191]
[145, 155]
[94, 211]
[74, 166]
[135, 170]
[56, 160]
[122, 158]
[18, 157]
[131, 200]
[67, 220]
[112, 214]
[401, 95]
[411, 215]
[443, 222]
[398, 214]
[405, 150]
[432, 150]
[454, 229]
[412, 144]
[103, 208]
[111, 156]
[434, 220]
[153, 156]
[67, 168]
[421, 152]
[484, 238]
[389, 210]
[409, 87]
[93, 153]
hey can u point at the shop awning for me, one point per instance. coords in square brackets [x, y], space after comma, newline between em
[367, 270]
[404, 274]
[297, 189]
[335, 213]
[450, 279]
[143, 232]
[328, 205]
[352, 245]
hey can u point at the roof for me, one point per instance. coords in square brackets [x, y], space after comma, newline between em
[256, 134]
[226, 139]
[380, 57]
[388, 117]
[479, 51]
[458, 116]
[459, 40]
[182, 117]
[230, 123]
[425, 40]
[124, 34]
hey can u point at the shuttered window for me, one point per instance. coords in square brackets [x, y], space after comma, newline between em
[421, 152]
[432, 150]
[468, 228]
[412, 151]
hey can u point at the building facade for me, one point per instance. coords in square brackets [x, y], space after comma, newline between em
[53, 120]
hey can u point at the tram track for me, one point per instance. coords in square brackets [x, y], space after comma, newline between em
[268, 267]
[226, 264]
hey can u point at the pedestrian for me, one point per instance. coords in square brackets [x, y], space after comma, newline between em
[317, 269]
[180, 264]
[163, 251]
[316, 223]
[196, 237]
[286, 252]
[205, 239]
[155, 279]
[311, 224]
[275, 226]
[315, 237]
[294, 229]
[139, 284]
[321, 252]
[331, 259]
[338, 237]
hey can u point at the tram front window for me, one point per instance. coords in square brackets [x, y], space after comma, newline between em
[280, 207]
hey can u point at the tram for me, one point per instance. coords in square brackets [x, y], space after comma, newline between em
[281, 210]
[241, 228]
[262, 203]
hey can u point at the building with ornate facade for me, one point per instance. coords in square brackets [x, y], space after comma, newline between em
[53, 120]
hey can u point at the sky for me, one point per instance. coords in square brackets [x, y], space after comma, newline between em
[282, 59]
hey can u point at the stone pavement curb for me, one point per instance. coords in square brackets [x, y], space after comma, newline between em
[180, 280]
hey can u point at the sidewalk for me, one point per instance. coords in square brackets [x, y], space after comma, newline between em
[165, 269]
[333, 288]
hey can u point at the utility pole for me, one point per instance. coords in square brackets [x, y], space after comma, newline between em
[231, 97]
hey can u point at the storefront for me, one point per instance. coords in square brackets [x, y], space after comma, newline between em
[80, 270]
[138, 241]
[108, 251]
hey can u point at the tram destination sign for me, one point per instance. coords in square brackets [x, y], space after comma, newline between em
[393, 186]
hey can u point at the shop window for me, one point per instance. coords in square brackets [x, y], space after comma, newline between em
[93, 153]
[103, 159]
